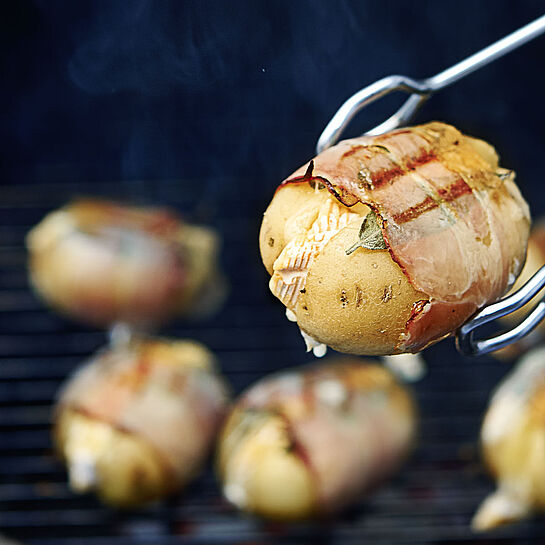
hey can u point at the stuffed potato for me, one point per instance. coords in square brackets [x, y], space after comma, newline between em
[386, 244]
[136, 423]
[307, 442]
[103, 263]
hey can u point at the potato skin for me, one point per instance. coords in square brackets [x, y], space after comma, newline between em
[535, 259]
[357, 303]
[278, 485]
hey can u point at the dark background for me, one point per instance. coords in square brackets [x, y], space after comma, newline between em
[205, 106]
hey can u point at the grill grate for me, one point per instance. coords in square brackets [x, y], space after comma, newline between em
[430, 501]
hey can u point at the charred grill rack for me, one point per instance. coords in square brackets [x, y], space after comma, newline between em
[430, 501]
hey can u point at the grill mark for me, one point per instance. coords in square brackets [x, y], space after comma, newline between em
[451, 193]
[295, 444]
[377, 179]
[414, 211]
[455, 190]
[352, 151]
[426, 156]
[385, 176]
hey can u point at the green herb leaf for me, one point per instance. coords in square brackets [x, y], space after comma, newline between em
[370, 235]
[383, 148]
[504, 173]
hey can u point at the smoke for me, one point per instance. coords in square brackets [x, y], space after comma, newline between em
[218, 92]
[252, 82]
[157, 47]
[187, 72]
[191, 88]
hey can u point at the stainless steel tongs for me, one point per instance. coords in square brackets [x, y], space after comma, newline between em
[420, 91]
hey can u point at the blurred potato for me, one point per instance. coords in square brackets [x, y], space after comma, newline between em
[137, 422]
[307, 442]
[103, 263]
[513, 444]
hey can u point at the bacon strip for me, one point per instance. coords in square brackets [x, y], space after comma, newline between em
[455, 227]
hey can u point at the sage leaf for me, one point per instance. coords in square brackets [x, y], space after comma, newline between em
[370, 235]
[504, 174]
[378, 146]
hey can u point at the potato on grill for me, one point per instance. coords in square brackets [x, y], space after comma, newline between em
[103, 263]
[387, 244]
[306, 442]
[136, 423]
[513, 444]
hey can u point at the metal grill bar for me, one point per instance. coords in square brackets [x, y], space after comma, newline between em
[430, 501]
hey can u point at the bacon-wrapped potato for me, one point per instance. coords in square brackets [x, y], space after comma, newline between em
[103, 263]
[306, 442]
[386, 244]
[137, 422]
[513, 444]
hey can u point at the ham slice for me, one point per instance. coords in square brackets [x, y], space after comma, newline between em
[453, 220]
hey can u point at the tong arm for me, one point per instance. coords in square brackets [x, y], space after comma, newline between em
[421, 89]
[469, 346]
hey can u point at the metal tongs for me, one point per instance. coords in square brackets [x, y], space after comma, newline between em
[420, 91]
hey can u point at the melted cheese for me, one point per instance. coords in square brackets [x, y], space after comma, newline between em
[291, 268]
[318, 349]
[308, 232]
[86, 441]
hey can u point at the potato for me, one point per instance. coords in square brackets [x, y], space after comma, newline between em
[340, 306]
[307, 442]
[513, 444]
[357, 313]
[137, 421]
[384, 245]
[124, 469]
[535, 259]
[280, 486]
[104, 263]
